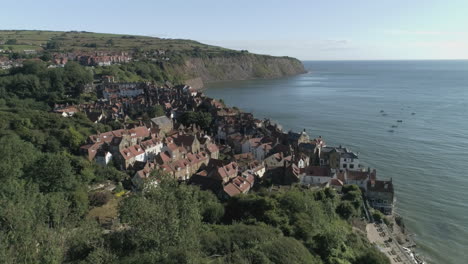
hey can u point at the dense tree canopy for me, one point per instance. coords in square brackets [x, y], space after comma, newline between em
[202, 119]
[35, 80]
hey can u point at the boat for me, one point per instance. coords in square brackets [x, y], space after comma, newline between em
[400, 121]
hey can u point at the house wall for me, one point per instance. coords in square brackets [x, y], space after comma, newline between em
[260, 172]
[348, 163]
[306, 179]
[246, 147]
[259, 153]
[104, 160]
[153, 151]
[382, 201]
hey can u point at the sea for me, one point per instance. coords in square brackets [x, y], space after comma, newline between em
[357, 104]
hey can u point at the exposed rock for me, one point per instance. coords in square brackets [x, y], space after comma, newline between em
[241, 67]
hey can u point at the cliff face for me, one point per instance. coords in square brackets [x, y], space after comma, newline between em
[241, 67]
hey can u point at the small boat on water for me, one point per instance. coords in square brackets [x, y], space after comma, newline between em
[384, 114]
[413, 113]
[394, 126]
[391, 130]
[400, 121]
[381, 111]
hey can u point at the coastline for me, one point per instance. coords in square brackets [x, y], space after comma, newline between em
[398, 244]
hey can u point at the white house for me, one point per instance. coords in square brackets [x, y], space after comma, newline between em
[258, 169]
[359, 178]
[67, 111]
[349, 160]
[152, 148]
[316, 175]
[248, 145]
[103, 157]
[303, 162]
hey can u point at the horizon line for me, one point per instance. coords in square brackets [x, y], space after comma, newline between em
[324, 60]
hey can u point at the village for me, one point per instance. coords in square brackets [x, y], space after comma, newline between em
[59, 59]
[229, 157]
[232, 154]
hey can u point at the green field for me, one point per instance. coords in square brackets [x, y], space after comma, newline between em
[88, 41]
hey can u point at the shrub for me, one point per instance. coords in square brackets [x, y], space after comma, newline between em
[99, 198]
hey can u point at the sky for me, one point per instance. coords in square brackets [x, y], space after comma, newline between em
[305, 29]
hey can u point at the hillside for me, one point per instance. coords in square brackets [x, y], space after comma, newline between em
[185, 59]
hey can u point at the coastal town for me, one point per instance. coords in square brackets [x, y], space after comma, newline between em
[150, 130]
[231, 153]
[230, 156]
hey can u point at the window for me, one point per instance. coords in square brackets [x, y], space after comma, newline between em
[351, 166]
[344, 165]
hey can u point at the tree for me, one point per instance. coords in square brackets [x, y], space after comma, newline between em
[156, 111]
[11, 42]
[372, 256]
[202, 119]
[52, 45]
[74, 138]
[87, 245]
[211, 209]
[16, 155]
[110, 42]
[46, 56]
[346, 210]
[163, 219]
[76, 77]
[53, 173]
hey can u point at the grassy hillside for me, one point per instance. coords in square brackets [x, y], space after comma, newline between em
[180, 59]
[89, 41]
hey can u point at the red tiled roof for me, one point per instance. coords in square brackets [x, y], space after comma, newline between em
[380, 186]
[336, 182]
[239, 185]
[317, 171]
[150, 143]
[165, 157]
[132, 152]
[212, 148]
[172, 146]
[357, 175]
[141, 132]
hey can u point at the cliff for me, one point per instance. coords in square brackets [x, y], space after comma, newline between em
[154, 59]
[241, 67]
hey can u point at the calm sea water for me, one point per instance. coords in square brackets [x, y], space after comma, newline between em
[426, 155]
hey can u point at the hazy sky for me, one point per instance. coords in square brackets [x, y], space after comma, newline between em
[313, 29]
